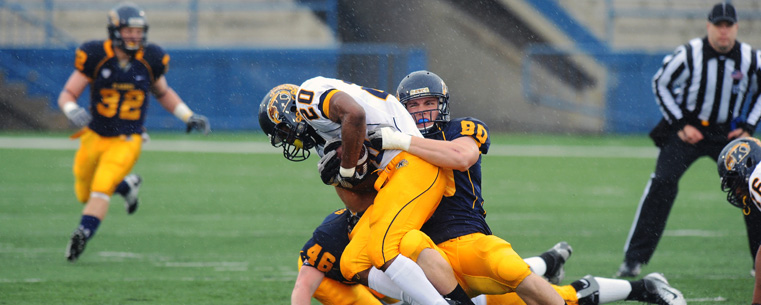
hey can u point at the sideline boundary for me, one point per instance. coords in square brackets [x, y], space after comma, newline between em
[49, 143]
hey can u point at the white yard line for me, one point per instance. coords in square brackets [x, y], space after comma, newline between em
[264, 148]
[706, 300]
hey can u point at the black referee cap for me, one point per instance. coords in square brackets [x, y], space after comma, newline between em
[723, 12]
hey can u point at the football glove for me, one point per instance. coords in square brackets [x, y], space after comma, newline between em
[198, 122]
[145, 136]
[77, 115]
[330, 167]
[389, 138]
[330, 162]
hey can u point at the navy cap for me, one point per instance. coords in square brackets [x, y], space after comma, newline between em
[723, 12]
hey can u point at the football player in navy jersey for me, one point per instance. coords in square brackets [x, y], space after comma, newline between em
[320, 275]
[121, 72]
[458, 226]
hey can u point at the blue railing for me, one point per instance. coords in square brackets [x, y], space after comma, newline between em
[629, 106]
[227, 84]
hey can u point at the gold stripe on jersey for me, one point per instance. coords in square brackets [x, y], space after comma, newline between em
[80, 59]
[165, 62]
[139, 57]
[324, 104]
[109, 53]
[108, 47]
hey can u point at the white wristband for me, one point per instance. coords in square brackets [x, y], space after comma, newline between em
[68, 107]
[182, 112]
[393, 139]
[346, 172]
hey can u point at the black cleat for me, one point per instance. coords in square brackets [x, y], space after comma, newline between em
[561, 252]
[76, 245]
[130, 200]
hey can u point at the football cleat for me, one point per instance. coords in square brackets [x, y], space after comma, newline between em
[589, 293]
[561, 252]
[629, 269]
[76, 245]
[660, 292]
[130, 200]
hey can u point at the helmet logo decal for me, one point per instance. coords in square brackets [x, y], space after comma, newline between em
[419, 91]
[114, 17]
[272, 112]
[135, 22]
[736, 155]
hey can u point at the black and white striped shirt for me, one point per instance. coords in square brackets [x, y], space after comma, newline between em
[697, 85]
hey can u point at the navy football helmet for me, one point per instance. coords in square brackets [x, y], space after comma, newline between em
[736, 163]
[424, 84]
[126, 14]
[279, 119]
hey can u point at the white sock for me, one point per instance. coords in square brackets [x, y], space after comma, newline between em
[380, 282]
[407, 274]
[612, 290]
[479, 300]
[537, 265]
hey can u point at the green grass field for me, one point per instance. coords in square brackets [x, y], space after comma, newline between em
[226, 228]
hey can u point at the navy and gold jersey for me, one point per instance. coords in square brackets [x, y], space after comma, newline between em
[323, 251]
[119, 95]
[462, 213]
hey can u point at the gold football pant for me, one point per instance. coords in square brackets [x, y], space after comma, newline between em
[409, 190]
[101, 163]
[483, 264]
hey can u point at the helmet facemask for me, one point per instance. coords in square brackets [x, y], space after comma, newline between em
[279, 119]
[433, 119]
[296, 142]
[736, 164]
[736, 187]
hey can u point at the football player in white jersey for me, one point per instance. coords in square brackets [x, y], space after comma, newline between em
[741, 180]
[323, 110]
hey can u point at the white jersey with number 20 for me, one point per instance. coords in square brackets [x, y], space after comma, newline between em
[381, 109]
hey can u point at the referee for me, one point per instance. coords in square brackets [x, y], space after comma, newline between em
[701, 89]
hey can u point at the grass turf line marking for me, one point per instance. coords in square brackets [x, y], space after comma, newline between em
[49, 143]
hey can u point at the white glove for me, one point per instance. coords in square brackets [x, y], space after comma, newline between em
[390, 138]
[144, 135]
[77, 115]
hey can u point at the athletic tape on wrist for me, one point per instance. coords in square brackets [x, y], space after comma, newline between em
[182, 112]
[346, 172]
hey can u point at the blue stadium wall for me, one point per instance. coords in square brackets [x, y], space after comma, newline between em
[227, 85]
[223, 84]
[630, 105]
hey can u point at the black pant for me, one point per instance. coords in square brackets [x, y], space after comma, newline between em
[650, 220]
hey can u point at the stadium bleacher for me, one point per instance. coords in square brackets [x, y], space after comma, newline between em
[605, 50]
